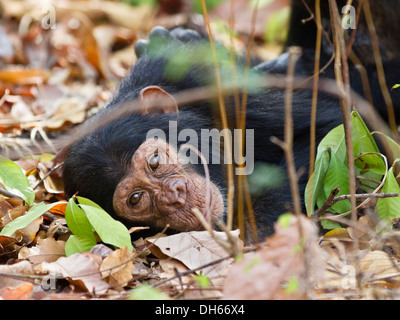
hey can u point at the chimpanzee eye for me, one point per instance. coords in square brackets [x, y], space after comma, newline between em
[153, 162]
[134, 198]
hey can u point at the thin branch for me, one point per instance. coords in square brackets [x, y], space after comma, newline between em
[224, 120]
[8, 194]
[315, 89]
[327, 204]
[345, 104]
[294, 53]
[48, 174]
[332, 199]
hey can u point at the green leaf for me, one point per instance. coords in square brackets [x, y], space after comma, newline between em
[249, 265]
[293, 285]
[88, 202]
[337, 175]
[75, 244]
[264, 176]
[285, 219]
[87, 218]
[77, 221]
[396, 86]
[109, 230]
[363, 141]
[203, 281]
[371, 162]
[147, 292]
[275, 30]
[15, 181]
[372, 168]
[21, 222]
[334, 141]
[316, 181]
[389, 208]
[393, 145]
[330, 225]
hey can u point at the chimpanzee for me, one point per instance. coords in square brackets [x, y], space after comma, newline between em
[133, 176]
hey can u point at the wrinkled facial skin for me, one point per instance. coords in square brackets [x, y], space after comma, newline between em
[158, 191]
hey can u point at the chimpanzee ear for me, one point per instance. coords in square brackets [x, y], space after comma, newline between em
[153, 99]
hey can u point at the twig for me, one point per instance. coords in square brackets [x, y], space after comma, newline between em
[48, 174]
[327, 204]
[366, 195]
[8, 194]
[224, 120]
[345, 102]
[315, 89]
[241, 116]
[332, 199]
[287, 145]
[294, 53]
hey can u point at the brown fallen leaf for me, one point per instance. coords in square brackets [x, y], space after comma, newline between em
[282, 260]
[19, 268]
[47, 250]
[7, 244]
[117, 267]
[194, 249]
[22, 292]
[81, 270]
[52, 185]
[379, 267]
[24, 76]
[25, 235]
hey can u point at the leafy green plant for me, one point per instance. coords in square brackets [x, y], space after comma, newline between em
[86, 220]
[21, 222]
[203, 281]
[147, 292]
[15, 181]
[371, 169]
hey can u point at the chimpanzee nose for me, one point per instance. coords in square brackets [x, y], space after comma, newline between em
[175, 192]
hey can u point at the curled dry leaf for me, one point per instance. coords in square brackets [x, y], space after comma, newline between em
[20, 268]
[47, 250]
[379, 267]
[52, 184]
[22, 292]
[101, 250]
[81, 270]
[118, 267]
[18, 75]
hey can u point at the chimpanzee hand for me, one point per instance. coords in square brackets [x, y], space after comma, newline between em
[159, 37]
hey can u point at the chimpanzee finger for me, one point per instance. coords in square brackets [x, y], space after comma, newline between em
[185, 35]
[140, 47]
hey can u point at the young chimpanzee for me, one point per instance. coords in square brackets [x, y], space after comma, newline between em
[134, 166]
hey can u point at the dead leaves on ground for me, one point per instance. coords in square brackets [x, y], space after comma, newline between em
[295, 264]
[51, 78]
[107, 273]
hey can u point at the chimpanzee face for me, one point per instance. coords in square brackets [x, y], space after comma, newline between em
[159, 190]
